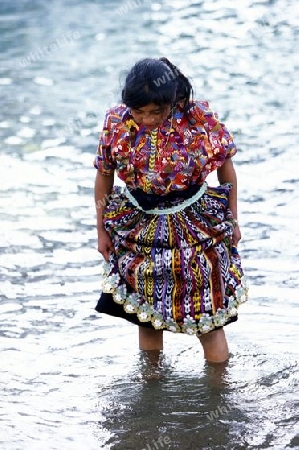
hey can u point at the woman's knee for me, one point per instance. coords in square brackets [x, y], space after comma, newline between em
[215, 346]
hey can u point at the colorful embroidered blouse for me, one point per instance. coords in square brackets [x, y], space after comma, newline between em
[189, 147]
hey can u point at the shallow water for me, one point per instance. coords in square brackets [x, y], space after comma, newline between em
[71, 378]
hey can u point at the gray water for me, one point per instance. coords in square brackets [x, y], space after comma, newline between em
[69, 377]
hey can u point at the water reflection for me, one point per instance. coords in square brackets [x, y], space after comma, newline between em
[213, 409]
[193, 411]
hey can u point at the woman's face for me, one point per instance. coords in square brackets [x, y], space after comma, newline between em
[151, 115]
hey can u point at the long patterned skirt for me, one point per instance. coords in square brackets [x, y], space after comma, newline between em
[174, 266]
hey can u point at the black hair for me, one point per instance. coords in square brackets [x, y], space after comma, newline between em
[155, 81]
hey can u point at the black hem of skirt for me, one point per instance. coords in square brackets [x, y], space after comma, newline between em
[106, 305]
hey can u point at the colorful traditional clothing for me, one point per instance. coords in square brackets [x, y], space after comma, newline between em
[174, 266]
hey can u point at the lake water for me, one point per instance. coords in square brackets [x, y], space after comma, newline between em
[71, 378]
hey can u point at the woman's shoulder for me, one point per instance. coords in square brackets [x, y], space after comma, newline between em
[200, 114]
[116, 114]
[200, 108]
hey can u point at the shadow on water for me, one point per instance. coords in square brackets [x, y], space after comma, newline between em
[156, 407]
[160, 404]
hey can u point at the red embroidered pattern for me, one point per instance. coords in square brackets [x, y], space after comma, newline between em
[195, 145]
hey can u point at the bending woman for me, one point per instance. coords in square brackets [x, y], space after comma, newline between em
[169, 240]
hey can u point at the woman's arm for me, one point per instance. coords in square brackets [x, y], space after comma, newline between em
[227, 174]
[102, 190]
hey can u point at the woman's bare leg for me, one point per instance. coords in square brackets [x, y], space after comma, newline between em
[150, 339]
[214, 346]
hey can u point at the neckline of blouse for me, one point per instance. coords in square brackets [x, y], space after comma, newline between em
[165, 126]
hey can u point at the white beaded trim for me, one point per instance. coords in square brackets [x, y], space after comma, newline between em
[172, 210]
[132, 303]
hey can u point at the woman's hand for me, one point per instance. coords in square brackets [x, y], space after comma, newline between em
[236, 235]
[105, 246]
[102, 190]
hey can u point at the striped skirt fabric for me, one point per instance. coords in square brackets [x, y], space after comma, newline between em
[174, 266]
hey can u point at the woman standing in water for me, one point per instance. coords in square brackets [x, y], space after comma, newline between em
[169, 240]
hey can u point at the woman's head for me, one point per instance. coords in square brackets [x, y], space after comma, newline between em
[155, 81]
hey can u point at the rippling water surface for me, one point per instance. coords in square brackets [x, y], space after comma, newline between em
[70, 378]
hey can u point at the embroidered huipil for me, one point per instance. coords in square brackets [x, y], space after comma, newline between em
[189, 147]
